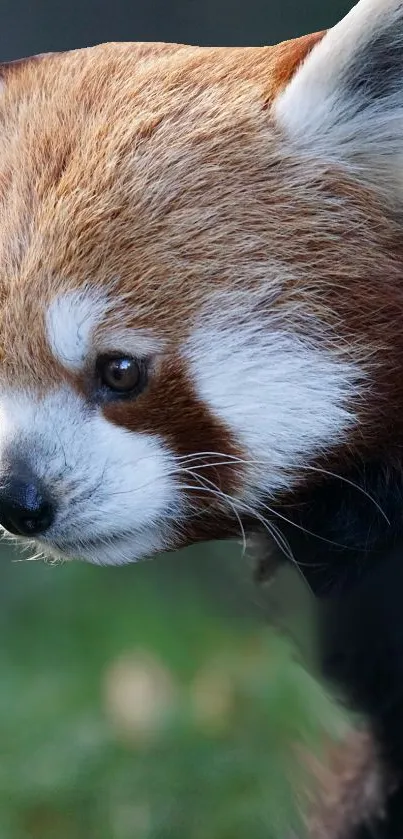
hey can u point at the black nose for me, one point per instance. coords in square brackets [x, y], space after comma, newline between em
[25, 508]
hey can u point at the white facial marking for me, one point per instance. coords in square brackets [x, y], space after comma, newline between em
[76, 325]
[284, 400]
[70, 322]
[136, 342]
[113, 487]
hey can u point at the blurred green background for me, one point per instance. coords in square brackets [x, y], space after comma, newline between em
[154, 701]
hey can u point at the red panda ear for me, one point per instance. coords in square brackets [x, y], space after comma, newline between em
[345, 103]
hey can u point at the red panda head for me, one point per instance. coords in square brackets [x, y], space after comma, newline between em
[200, 283]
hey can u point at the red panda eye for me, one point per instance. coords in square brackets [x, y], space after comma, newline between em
[120, 374]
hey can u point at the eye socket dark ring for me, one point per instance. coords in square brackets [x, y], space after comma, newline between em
[119, 376]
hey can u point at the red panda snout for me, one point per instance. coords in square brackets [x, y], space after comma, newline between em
[204, 431]
[27, 509]
[217, 223]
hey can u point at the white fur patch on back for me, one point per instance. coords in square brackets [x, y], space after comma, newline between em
[284, 400]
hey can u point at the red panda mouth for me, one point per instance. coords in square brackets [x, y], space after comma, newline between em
[75, 546]
[115, 548]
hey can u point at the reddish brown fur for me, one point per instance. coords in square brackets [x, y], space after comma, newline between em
[142, 164]
[161, 134]
[61, 237]
[351, 786]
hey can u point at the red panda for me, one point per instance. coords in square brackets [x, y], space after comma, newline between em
[201, 296]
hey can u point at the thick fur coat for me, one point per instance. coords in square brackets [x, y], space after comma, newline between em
[201, 302]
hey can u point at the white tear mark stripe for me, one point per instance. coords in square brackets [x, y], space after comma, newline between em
[78, 322]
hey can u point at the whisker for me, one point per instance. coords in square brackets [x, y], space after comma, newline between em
[273, 531]
[233, 459]
[217, 493]
[352, 484]
[253, 512]
[300, 527]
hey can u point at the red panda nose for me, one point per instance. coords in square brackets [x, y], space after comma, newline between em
[25, 509]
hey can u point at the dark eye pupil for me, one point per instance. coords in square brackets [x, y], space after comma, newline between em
[120, 374]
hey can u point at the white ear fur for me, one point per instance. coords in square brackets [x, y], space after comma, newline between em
[345, 103]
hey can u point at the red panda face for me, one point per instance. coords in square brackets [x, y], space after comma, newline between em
[191, 314]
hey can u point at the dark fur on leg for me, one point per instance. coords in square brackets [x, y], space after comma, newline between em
[354, 565]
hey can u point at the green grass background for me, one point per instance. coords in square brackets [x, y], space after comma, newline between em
[154, 700]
